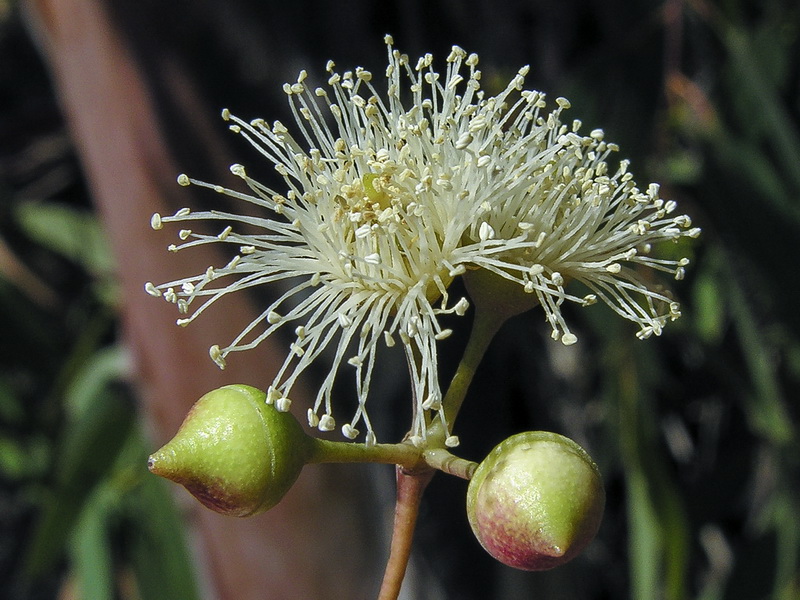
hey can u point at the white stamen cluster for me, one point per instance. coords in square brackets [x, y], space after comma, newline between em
[389, 197]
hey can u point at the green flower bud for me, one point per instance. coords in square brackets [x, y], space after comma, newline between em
[234, 452]
[536, 501]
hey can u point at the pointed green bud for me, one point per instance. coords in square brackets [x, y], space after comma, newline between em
[536, 501]
[234, 452]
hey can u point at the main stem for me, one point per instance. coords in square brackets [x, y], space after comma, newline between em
[410, 487]
[412, 483]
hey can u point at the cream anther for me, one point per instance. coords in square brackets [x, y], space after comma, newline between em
[217, 356]
[349, 431]
[326, 423]
[273, 395]
[461, 307]
[568, 339]
[486, 232]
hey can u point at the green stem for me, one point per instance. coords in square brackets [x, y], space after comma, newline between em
[441, 459]
[326, 451]
[411, 482]
[484, 327]
[407, 456]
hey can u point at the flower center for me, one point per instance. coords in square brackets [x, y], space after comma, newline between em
[393, 232]
[379, 194]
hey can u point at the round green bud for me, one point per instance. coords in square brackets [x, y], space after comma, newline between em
[536, 501]
[234, 452]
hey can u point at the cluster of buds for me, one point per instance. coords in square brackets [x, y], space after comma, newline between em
[534, 503]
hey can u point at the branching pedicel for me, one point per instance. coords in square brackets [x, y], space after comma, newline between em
[388, 198]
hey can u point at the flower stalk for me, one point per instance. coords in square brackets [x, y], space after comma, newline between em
[410, 487]
[411, 484]
[404, 454]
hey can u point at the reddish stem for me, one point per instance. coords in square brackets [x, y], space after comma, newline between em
[410, 487]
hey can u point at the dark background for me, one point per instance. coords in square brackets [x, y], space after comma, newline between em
[695, 431]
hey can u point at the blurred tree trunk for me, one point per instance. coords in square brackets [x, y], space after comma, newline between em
[309, 545]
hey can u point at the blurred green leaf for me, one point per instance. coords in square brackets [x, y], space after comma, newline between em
[90, 550]
[658, 528]
[23, 457]
[73, 233]
[86, 453]
[159, 554]
[12, 458]
[747, 162]
[765, 107]
[708, 308]
[682, 168]
[644, 545]
[766, 406]
[787, 528]
[155, 543]
[95, 373]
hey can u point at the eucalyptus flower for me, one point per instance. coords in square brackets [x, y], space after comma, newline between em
[387, 196]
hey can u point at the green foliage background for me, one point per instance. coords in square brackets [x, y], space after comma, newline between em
[80, 515]
[696, 431]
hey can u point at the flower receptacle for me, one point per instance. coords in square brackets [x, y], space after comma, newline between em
[495, 293]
